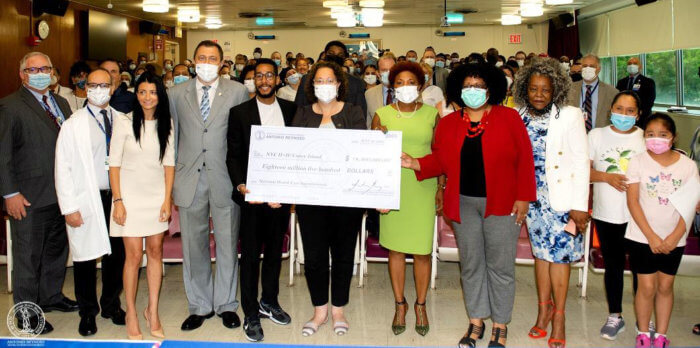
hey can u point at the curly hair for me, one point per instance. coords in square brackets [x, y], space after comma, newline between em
[413, 68]
[494, 78]
[340, 76]
[543, 66]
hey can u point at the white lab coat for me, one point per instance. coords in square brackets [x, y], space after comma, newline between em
[77, 189]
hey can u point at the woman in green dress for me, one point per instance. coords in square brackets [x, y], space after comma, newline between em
[410, 229]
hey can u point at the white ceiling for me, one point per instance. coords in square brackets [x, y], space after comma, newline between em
[311, 14]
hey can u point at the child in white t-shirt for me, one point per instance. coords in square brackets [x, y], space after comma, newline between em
[657, 233]
[611, 149]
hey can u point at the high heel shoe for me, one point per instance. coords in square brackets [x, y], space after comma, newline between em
[536, 332]
[422, 325]
[398, 326]
[498, 333]
[556, 342]
[467, 340]
[138, 337]
[155, 333]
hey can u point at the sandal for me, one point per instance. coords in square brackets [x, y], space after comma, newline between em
[422, 325]
[340, 328]
[536, 332]
[398, 326]
[311, 328]
[498, 334]
[467, 340]
[556, 342]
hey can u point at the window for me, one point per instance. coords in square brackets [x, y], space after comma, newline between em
[691, 80]
[661, 67]
[606, 70]
[621, 64]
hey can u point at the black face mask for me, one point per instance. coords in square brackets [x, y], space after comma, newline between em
[576, 77]
[335, 59]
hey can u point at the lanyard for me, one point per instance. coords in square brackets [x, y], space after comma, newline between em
[583, 100]
[108, 137]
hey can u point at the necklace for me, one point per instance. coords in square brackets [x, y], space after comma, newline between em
[401, 114]
[473, 132]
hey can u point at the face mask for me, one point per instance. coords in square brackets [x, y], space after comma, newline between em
[622, 122]
[520, 62]
[325, 93]
[385, 78]
[256, 55]
[239, 67]
[371, 79]
[168, 67]
[98, 96]
[207, 72]
[136, 78]
[81, 84]
[250, 85]
[54, 80]
[499, 64]
[455, 60]
[41, 80]
[427, 78]
[658, 145]
[509, 82]
[633, 69]
[430, 61]
[440, 64]
[169, 83]
[180, 79]
[473, 97]
[412, 60]
[277, 61]
[407, 94]
[354, 60]
[294, 78]
[226, 76]
[588, 73]
[132, 66]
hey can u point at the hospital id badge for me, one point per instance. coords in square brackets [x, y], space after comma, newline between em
[107, 163]
[636, 87]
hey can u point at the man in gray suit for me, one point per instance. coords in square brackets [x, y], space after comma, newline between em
[29, 123]
[382, 94]
[439, 73]
[593, 96]
[200, 109]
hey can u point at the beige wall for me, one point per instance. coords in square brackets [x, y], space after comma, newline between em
[398, 39]
[660, 26]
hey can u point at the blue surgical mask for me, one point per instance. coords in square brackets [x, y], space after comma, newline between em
[81, 84]
[358, 71]
[427, 77]
[440, 64]
[191, 70]
[622, 122]
[180, 79]
[40, 80]
[277, 61]
[294, 78]
[474, 97]
[385, 78]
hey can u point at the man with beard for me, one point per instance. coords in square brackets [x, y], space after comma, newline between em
[336, 52]
[261, 223]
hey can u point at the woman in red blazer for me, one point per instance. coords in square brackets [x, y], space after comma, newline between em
[486, 154]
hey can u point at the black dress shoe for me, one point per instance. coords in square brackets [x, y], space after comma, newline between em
[87, 326]
[195, 321]
[34, 323]
[118, 316]
[64, 305]
[230, 319]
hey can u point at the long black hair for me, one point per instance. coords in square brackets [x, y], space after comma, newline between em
[162, 114]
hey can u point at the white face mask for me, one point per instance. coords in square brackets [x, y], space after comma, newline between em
[256, 55]
[407, 94]
[325, 93]
[509, 82]
[565, 66]
[98, 96]
[54, 80]
[633, 69]
[239, 67]
[226, 76]
[207, 72]
[429, 61]
[588, 73]
[371, 79]
[499, 64]
[385, 78]
[169, 83]
[521, 62]
[250, 85]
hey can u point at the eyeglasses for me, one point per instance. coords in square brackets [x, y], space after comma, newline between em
[268, 76]
[43, 69]
[325, 82]
[101, 85]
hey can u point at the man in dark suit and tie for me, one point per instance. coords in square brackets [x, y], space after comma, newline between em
[644, 86]
[261, 223]
[29, 123]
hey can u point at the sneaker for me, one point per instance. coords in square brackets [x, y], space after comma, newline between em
[275, 313]
[642, 341]
[661, 342]
[613, 326]
[252, 329]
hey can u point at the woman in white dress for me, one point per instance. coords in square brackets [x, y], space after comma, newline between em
[142, 170]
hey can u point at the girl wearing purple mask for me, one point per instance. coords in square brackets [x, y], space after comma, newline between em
[663, 187]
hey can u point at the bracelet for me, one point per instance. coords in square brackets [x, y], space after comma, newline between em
[117, 200]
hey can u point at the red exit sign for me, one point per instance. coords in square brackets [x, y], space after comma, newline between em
[515, 39]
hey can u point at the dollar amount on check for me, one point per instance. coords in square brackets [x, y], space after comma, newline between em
[332, 167]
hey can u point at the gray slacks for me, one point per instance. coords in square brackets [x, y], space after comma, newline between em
[204, 293]
[487, 260]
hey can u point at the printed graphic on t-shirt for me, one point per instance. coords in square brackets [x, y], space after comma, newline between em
[662, 186]
[617, 160]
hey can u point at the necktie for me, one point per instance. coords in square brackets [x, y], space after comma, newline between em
[389, 97]
[107, 123]
[205, 107]
[630, 85]
[588, 107]
[51, 115]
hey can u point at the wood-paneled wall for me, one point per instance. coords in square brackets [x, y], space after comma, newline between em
[63, 45]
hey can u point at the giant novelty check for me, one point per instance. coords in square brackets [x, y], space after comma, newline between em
[333, 167]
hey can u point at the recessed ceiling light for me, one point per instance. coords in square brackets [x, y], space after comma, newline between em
[155, 6]
[372, 3]
[372, 17]
[340, 11]
[188, 14]
[346, 20]
[530, 9]
[510, 19]
[213, 23]
[334, 3]
[558, 2]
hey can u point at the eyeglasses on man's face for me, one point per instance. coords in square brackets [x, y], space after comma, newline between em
[35, 70]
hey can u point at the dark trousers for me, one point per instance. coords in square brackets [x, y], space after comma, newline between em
[39, 252]
[612, 245]
[85, 274]
[324, 228]
[261, 226]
